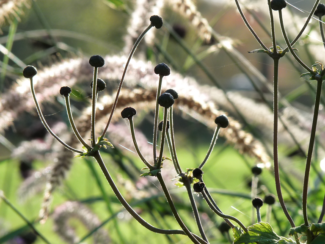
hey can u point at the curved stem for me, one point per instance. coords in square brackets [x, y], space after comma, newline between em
[290, 47]
[73, 125]
[212, 144]
[187, 184]
[321, 30]
[172, 154]
[272, 27]
[249, 26]
[136, 145]
[322, 213]
[125, 204]
[93, 106]
[162, 143]
[40, 114]
[136, 44]
[195, 240]
[275, 143]
[221, 214]
[173, 144]
[305, 25]
[155, 124]
[310, 150]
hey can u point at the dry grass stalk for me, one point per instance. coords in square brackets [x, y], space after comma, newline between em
[11, 9]
[74, 210]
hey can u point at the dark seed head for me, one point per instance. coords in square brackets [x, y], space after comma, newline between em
[128, 113]
[197, 173]
[257, 170]
[180, 30]
[166, 100]
[173, 93]
[101, 85]
[224, 227]
[320, 11]
[257, 202]
[156, 21]
[160, 125]
[65, 91]
[30, 71]
[198, 187]
[278, 4]
[222, 121]
[96, 61]
[269, 199]
[162, 69]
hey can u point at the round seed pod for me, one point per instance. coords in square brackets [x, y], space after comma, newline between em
[101, 85]
[166, 100]
[269, 199]
[320, 11]
[30, 71]
[198, 187]
[160, 125]
[257, 170]
[222, 121]
[173, 93]
[257, 202]
[65, 91]
[156, 21]
[197, 173]
[278, 4]
[128, 113]
[224, 227]
[162, 70]
[96, 61]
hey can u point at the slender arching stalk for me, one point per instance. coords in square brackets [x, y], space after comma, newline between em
[47, 127]
[173, 144]
[320, 220]
[155, 124]
[178, 170]
[272, 28]
[162, 143]
[212, 144]
[93, 106]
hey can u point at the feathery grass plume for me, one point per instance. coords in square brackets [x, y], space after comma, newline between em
[138, 21]
[74, 210]
[10, 9]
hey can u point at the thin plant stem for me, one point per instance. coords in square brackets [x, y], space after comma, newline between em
[320, 220]
[72, 123]
[221, 214]
[290, 47]
[268, 213]
[123, 75]
[249, 26]
[155, 124]
[195, 240]
[125, 204]
[187, 184]
[212, 144]
[272, 28]
[2, 196]
[311, 149]
[321, 30]
[304, 27]
[258, 215]
[47, 127]
[275, 142]
[254, 194]
[178, 170]
[136, 145]
[172, 135]
[162, 142]
[93, 106]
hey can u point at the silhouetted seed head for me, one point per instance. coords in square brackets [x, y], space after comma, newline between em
[269, 199]
[320, 11]
[156, 21]
[198, 187]
[65, 91]
[257, 170]
[101, 85]
[257, 202]
[96, 61]
[180, 30]
[162, 70]
[160, 125]
[30, 71]
[197, 173]
[166, 100]
[222, 121]
[128, 113]
[278, 4]
[224, 227]
[173, 93]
